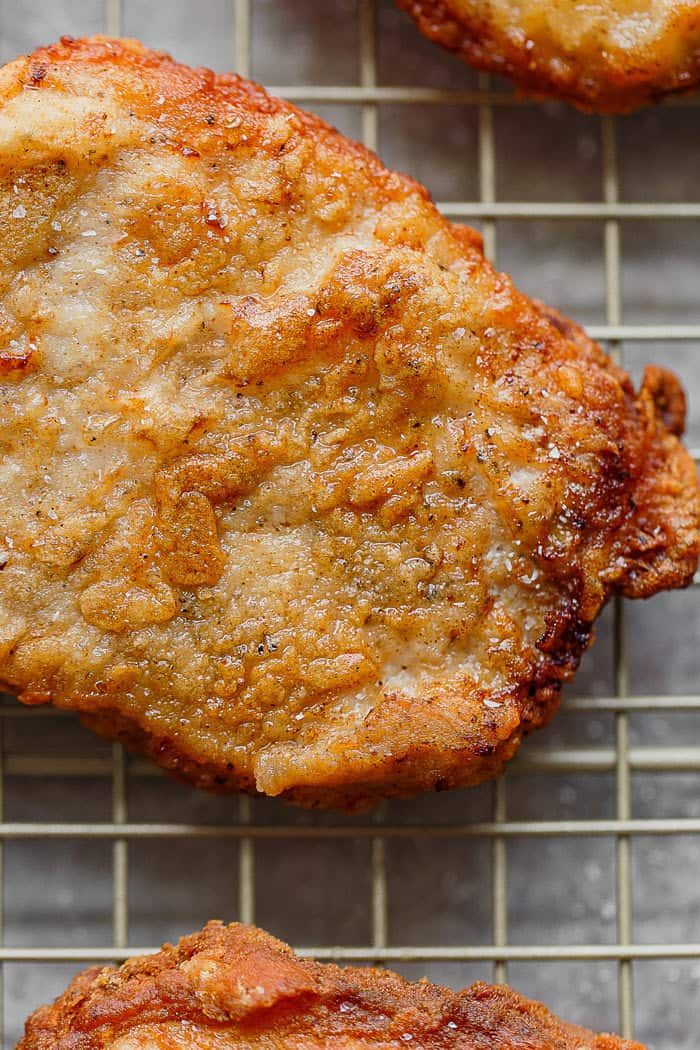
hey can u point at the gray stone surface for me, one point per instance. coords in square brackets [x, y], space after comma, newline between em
[559, 891]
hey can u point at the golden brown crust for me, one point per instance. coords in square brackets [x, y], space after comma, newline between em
[237, 986]
[606, 56]
[300, 497]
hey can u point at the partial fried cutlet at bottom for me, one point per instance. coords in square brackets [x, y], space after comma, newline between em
[237, 987]
[297, 494]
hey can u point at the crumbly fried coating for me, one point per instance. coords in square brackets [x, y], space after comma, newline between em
[610, 56]
[299, 496]
[235, 986]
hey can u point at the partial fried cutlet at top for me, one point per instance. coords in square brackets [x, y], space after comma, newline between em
[235, 986]
[611, 56]
[299, 496]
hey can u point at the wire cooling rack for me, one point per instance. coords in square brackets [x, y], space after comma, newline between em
[492, 882]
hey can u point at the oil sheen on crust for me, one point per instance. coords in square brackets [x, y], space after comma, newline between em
[235, 986]
[611, 56]
[299, 496]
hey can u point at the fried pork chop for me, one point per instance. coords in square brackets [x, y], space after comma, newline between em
[235, 986]
[611, 55]
[299, 496]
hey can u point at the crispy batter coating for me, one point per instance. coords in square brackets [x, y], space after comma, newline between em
[298, 495]
[235, 986]
[610, 55]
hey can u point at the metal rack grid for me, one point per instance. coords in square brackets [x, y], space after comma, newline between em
[622, 759]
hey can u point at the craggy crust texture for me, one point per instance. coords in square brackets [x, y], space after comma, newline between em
[298, 495]
[610, 55]
[235, 986]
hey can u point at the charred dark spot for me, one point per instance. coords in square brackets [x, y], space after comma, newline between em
[366, 326]
[565, 638]
[668, 398]
[38, 73]
[19, 361]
